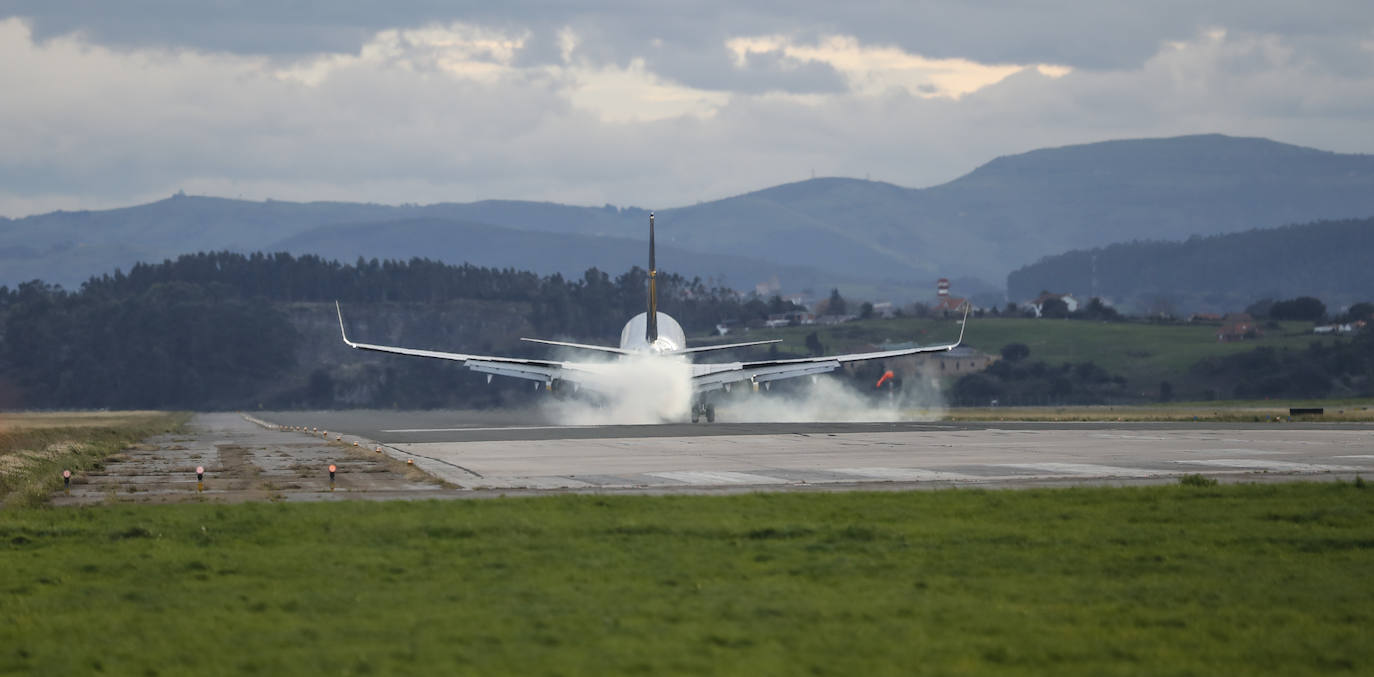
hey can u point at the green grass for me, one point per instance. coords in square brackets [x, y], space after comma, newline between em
[36, 447]
[1159, 580]
[1143, 353]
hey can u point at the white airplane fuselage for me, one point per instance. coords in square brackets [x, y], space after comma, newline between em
[670, 335]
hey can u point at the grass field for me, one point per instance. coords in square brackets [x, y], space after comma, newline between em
[1241, 579]
[36, 447]
[1143, 353]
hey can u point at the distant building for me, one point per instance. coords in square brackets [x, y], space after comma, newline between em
[1346, 328]
[1037, 305]
[943, 300]
[792, 319]
[1238, 327]
[962, 360]
[1205, 317]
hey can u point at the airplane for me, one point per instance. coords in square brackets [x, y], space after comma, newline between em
[653, 334]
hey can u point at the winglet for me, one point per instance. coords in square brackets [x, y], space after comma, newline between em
[341, 326]
[962, 325]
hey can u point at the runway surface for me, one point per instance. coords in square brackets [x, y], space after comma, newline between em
[511, 451]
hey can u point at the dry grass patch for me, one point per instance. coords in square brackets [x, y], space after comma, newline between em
[36, 447]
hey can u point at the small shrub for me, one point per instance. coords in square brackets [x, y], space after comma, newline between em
[1196, 480]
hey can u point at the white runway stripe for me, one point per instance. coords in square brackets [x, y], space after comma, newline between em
[904, 474]
[1281, 466]
[1086, 469]
[535, 483]
[1363, 457]
[715, 478]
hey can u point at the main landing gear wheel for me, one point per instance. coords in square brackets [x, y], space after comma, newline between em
[708, 410]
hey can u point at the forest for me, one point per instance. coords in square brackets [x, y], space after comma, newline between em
[219, 330]
[233, 331]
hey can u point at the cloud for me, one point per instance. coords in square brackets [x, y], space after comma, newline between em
[1099, 35]
[560, 110]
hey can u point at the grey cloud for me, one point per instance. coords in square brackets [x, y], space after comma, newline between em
[1096, 35]
[389, 136]
[773, 71]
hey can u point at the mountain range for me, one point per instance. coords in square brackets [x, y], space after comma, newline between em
[855, 234]
[1328, 260]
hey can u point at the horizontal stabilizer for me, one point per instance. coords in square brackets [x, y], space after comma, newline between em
[727, 346]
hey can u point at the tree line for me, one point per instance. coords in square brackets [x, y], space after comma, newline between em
[208, 330]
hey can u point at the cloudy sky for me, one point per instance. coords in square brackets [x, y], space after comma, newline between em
[654, 104]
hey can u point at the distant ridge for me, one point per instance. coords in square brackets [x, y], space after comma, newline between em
[1327, 259]
[1003, 215]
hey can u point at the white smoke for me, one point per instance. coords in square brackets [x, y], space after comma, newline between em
[646, 389]
[834, 399]
[632, 390]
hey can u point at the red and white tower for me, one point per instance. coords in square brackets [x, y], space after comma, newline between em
[942, 287]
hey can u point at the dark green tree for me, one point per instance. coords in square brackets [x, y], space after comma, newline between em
[835, 305]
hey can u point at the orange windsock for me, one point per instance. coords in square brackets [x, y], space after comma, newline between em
[887, 376]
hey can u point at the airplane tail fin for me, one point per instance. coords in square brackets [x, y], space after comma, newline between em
[651, 319]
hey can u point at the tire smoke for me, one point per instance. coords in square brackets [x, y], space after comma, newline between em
[648, 389]
[834, 399]
[636, 389]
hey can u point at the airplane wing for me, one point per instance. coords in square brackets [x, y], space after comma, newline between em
[517, 367]
[580, 346]
[707, 377]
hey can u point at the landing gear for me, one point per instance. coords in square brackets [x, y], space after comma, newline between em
[700, 409]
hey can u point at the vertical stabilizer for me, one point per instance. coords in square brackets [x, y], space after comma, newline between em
[651, 319]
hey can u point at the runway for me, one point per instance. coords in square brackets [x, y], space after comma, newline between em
[509, 451]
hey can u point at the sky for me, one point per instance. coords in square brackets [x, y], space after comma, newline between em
[651, 104]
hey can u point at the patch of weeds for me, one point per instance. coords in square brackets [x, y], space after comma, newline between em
[769, 533]
[1197, 480]
[854, 533]
[1359, 482]
[131, 532]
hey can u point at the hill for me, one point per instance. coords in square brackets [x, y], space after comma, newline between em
[1328, 260]
[1003, 215]
[545, 253]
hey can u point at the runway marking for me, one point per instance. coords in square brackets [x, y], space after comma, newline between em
[1284, 466]
[904, 474]
[509, 427]
[1260, 452]
[1089, 469]
[719, 477]
[1360, 456]
[535, 483]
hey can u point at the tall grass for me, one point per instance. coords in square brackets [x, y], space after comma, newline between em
[32, 457]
